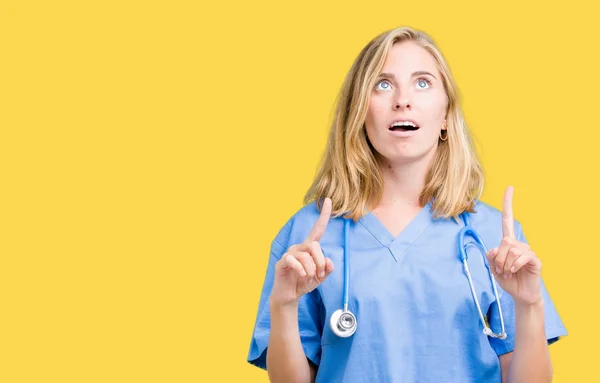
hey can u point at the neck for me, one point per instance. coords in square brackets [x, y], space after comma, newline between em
[403, 183]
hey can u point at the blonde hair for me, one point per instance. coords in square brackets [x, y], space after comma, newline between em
[349, 173]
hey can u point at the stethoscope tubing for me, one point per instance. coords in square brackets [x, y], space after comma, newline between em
[343, 329]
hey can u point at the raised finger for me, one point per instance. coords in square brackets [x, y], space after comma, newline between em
[319, 228]
[508, 222]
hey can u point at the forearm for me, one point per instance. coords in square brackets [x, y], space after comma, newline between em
[531, 359]
[286, 360]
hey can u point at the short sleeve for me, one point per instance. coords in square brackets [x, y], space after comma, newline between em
[552, 321]
[308, 316]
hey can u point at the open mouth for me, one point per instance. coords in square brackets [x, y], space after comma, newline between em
[406, 128]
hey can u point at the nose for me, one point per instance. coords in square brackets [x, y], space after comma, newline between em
[402, 101]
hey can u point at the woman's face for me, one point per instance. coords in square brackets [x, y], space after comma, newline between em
[410, 88]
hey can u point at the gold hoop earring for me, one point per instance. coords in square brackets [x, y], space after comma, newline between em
[442, 137]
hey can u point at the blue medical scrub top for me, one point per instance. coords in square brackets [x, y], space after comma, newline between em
[417, 320]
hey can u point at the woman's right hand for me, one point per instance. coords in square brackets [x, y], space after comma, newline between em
[303, 267]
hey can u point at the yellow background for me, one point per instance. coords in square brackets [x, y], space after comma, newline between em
[150, 151]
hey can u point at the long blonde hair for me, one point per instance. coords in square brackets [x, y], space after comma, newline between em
[349, 173]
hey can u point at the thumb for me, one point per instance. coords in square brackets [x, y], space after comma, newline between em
[329, 267]
[491, 254]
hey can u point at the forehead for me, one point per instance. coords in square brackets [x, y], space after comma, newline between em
[407, 57]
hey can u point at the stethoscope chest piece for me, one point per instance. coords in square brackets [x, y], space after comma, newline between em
[343, 323]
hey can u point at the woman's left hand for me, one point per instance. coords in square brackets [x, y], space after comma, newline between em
[515, 266]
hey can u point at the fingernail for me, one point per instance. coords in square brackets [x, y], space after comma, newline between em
[303, 273]
[505, 276]
[512, 269]
[322, 274]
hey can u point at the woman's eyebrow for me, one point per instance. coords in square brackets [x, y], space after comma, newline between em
[415, 74]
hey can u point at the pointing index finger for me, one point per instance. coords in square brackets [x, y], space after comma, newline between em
[317, 231]
[508, 222]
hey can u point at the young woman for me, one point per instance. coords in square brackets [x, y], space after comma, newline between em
[376, 278]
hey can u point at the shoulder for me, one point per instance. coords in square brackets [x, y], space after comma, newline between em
[485, 211]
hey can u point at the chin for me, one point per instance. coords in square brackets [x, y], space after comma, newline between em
[406, 155]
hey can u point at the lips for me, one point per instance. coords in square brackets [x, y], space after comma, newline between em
[403, 131]
[404, 125]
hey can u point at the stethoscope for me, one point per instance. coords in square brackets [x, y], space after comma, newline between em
[343, 322]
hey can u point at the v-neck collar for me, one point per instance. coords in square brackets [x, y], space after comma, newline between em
[400, 244]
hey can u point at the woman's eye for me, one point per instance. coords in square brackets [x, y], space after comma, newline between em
[423, 83]
[386, 86]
